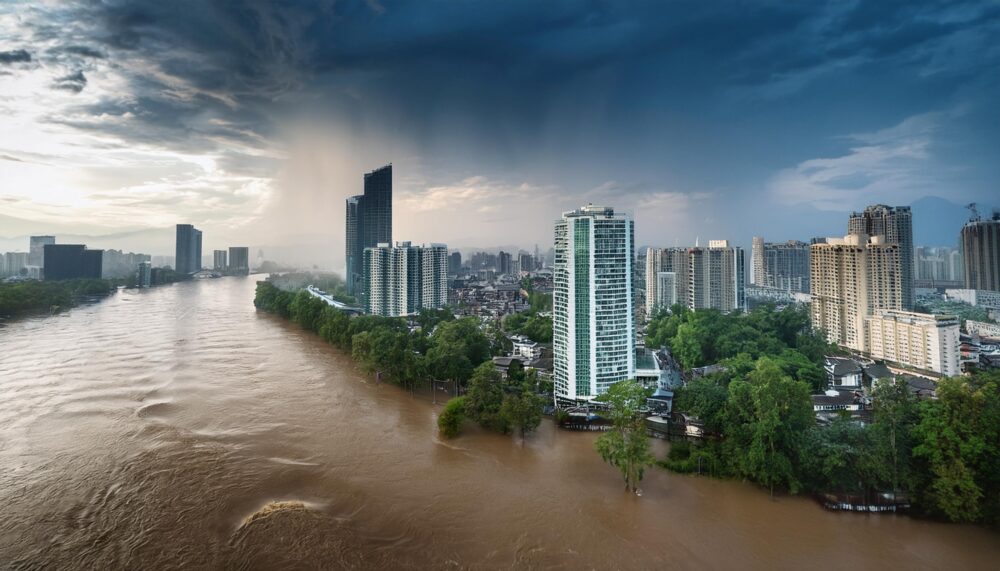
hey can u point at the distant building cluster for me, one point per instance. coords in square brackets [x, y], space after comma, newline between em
[188, 258]
[696, 277]
[939, 266]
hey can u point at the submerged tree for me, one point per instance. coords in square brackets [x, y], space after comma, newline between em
[626, 446]
[522, 410]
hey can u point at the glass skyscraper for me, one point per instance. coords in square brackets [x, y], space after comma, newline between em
[593, 322]
[188, 249]
[368, 223]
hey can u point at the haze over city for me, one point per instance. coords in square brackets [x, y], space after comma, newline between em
[253, 120]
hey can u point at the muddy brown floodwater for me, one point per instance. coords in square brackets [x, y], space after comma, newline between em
[176, 427]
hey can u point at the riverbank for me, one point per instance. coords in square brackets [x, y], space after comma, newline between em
[22, 298]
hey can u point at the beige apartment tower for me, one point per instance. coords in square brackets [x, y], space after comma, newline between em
[851, 278]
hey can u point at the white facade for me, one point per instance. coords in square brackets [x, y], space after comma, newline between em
[593, 321]
[12, 263]
[403, 279]
[983, 329]
[929, 342]
[666, 289]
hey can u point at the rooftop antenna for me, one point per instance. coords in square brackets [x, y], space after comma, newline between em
[974, 216]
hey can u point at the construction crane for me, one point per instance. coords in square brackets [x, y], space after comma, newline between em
[975, 212]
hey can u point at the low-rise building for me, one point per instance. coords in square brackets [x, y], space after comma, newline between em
[983, 329]
[525, 347]
[843, 374]
[928, 342]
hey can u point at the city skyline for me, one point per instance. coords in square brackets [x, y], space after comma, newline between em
[151, 123]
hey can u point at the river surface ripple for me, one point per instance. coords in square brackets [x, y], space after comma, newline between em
[178, 428]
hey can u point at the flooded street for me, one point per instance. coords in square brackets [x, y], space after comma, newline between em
[178, 428]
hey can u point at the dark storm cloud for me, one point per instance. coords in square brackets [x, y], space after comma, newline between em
[509, 61]
[74, 82]
[698, 97]
[14, 56]
[82, 51]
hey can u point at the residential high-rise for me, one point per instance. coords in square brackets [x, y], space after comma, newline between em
[929, 342]
[219, 260]
[505, 261]
[72, 261]
[354, 252]
[850, 279]
[188, 249]
[895, 224]
[666, 289]
[239, 260]
[434, 275]
[144, 276]
[527, 262]
[716, 277]
[36, 251]
[759, 275]
[368, 223]
[670, 260]
[14, 262]
[403, 279]
[454, 263]
[593, 323]
[781, 265]
[980, 241]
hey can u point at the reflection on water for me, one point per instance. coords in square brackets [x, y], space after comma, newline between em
[177, 427]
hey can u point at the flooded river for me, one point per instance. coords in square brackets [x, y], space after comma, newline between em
[178, 428]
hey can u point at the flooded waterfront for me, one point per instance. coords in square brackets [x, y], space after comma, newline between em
[176, 427]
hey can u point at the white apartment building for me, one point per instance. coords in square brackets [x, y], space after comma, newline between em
[850, 279]
[403, 279]
[928, 342]
[698, 278]
[592, 314]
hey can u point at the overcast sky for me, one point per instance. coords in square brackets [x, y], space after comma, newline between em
[255, 119]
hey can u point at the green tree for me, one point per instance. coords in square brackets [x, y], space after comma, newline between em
[705, 399]
[449, 360]
[895, 417]
[451, 418]
[522, 410]
[767, 416]
[957, 438]
[485, 397]
[626, 445]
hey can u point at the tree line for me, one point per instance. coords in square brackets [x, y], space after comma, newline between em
[440, 347]
[942, 453]
[20, 298]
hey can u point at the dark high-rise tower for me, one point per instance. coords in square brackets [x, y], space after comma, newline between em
[188, 249]
[368, 222]
[980, 240]
[354, 251]
[72, 261]
[896, 224]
